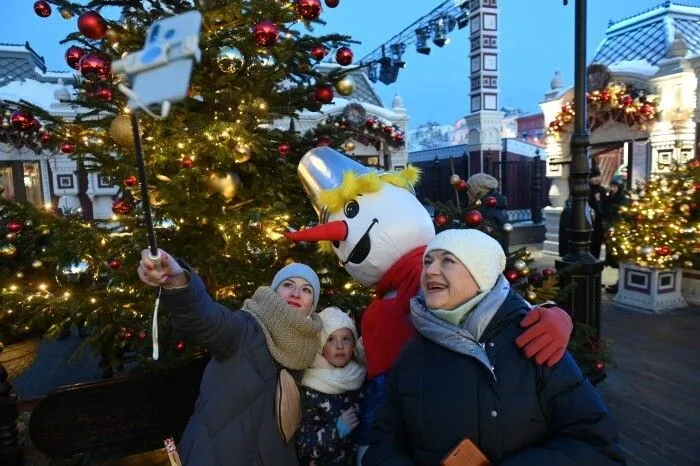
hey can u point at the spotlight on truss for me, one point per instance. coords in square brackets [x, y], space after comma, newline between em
[422, 36]
[397, 51]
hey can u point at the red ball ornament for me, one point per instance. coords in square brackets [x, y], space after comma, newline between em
[265, 33]
[647, 109]
[122, 207]
[549, 272]
[512, 275]
[318, 52]
[600, 366]
[73, 56]
[95, 67]
[45, 138]
[694, 163]
[490, 201]
[21, 120]
[627, 100]
[344, 56]
[42, 8]
[332, 3]
[130, 181]
[67, 148]
[473, 218]
[284, 149]
[180, 346]
[605, 96]
[662, 251]
[323, 141]
[186, 162]
[15, 226]
[309, 9]
[114, 264]
[441, 220]
[323, 94]
[104, 94]
[142, 334]
[461, 184]
[92, 25]
[126, 334]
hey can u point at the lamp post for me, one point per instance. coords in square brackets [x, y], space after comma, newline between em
[579, 268]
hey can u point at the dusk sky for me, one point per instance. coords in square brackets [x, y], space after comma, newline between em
[536, 38]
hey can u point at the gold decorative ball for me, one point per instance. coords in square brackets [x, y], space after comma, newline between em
[66, 13]
[524, 272]
[227, 184]
[454, 179]
[531, 296]
[289, 260]
[242, 153]
[120, 131]
[37, 264]
[11, 236]
[477, 203]
[349, 146]
[8, 250]
[223, 136]
[345, 86]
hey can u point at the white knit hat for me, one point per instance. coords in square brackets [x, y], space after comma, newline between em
[334, 319]
[481, 254]
[299, 270]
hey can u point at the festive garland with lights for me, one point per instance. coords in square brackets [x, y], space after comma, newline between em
[619, 102]
[374, 128]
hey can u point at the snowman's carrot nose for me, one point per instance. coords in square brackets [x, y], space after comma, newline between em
[331, 231]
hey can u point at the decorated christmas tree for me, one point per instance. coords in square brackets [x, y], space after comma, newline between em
[659, 228]
[222, 172]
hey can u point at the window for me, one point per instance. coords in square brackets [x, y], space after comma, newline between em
[6, 182]
[14, 175]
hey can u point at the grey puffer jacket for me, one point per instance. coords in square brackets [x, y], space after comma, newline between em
[234, 418]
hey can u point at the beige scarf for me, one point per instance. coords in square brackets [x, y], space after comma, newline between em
[291, 338]
[334, 380]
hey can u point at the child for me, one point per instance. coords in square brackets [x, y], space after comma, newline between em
[332, 393]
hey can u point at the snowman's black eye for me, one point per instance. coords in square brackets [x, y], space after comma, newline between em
[351, 209]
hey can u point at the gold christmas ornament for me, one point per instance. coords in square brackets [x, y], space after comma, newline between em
[242, 153]
[227, 184]
[524, 272]
[10, 236]
[37, 264]
[531, 296]
[120, 131]
[66, 13]
[8, 250]
[223, 136]
[345, 86]
[349, 146]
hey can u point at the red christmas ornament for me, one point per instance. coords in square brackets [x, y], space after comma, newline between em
[15, 226]
[461, 184]
[627, 100]
[95, 67]
[324, 94]
[92, 25]
[265, 33]
[332, 3]
[309, 9]
[605, 96]
[441, 220]
[114, 264]
[142, 334]
[45, 138]
[490, 201]
[549, 272]
[323, 141]
[284, 149]
[104, 94]
[187, 162]
[694, 163]
[647, 109]
[344, 56]
[600, 366]
[318, 52]
[73, 56]
[126, 334]
[67, 148]
[473, 218]
[122, 207]
[42, 8]
[512, 275]
[663, 250]
[130, 181]
[21, 120]
[180, 346]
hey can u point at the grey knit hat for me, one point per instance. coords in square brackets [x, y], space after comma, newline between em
[480, 184]
[299, 270]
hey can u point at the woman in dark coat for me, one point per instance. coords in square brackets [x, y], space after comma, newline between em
[246, 400]
[616, 198]
[462, 378]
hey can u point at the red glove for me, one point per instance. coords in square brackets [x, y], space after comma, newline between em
[547, 336]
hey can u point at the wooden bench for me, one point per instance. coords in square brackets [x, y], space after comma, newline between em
[106, 419]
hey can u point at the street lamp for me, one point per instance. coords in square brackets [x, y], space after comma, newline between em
[579, 268]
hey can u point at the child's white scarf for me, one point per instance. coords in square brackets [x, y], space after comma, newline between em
[334, 380]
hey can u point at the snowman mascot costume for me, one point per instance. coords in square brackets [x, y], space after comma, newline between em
[375, 225]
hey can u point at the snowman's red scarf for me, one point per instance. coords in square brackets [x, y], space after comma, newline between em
[385, 323]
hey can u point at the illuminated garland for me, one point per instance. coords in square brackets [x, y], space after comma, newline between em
[374, 128]
[618, 102]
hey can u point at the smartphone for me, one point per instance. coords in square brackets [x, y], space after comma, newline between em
[162, 70]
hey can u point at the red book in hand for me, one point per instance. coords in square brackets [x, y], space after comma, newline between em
[466, 454]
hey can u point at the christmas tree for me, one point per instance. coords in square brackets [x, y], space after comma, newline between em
[222, 173]
[659, 228]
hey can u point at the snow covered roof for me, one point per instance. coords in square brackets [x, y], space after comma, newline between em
[42, 94]
[647, 35]
[438, 153]
[18, 61]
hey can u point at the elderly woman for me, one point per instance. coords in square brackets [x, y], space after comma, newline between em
[248, 405]
[463, 378]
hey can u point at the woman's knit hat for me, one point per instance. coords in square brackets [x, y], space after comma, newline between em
[481, 254]
[334, 319]
[299, 270]
[480, 184]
